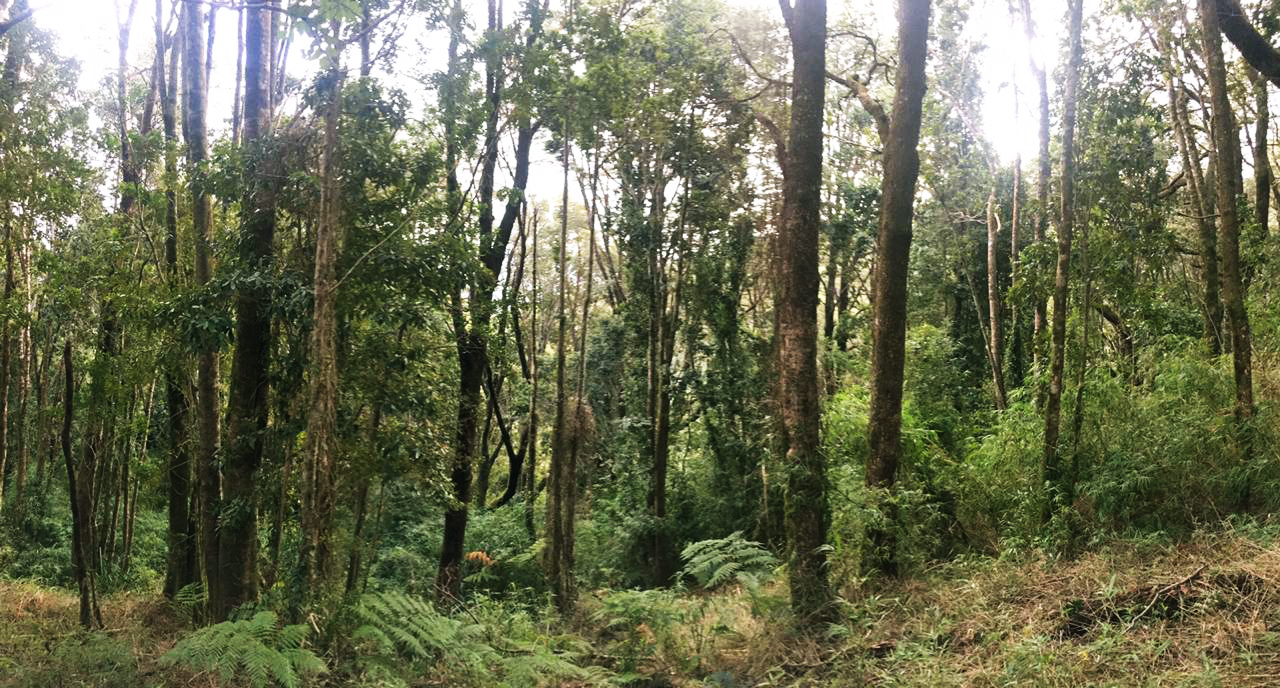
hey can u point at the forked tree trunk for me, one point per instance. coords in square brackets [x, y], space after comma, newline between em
[893, 250]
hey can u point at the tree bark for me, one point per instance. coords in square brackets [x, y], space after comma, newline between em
[1227, 142]
[1262, 174]
[1059, 485]
[207, 402]
[807, 512]
[249, 387]
[893, 251]
[319, 454]
[1255, 49]
[78, 490]
[996, 343]
[180, 567]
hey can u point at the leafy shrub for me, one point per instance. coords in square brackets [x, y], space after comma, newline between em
[257, 651]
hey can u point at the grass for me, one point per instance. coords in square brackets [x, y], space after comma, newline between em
[1205, 612]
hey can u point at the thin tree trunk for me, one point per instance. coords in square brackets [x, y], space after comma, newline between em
[1042, 181]
[81, 508]
[1261, 161]
[1227, 143]
[531, 471]
[209, 489]
[996, 343]
[319, 459]
[1059, 485]
[560, 478]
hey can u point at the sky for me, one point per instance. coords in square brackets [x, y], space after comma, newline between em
[86, 30]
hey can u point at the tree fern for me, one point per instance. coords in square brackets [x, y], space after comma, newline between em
[716, 562]
[256, 652]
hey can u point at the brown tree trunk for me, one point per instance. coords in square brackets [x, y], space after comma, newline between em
[179, 569]
[893, 250]
[1261, 161]
[472, 344]
[807, 512]
[531, 471]
[78, 490]
[1060, 486]
[208, 478]
[996, 342]
[247, 397]
[319, 500]
[561, 480]
[1202, 201]
[1227, 143]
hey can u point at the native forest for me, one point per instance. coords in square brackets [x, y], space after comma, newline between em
[639, 343]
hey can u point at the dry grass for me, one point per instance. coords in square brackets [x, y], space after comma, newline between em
[1201, 613]
[1205, 612]
[35, 622]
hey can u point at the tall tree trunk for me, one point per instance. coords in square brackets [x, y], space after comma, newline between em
[1227, 142]
[1059, 485]
[893, 252]
[207, 402]
[807, 512]
[531, 471]
[249, 387]
[561, 479]
[319, 455]
[996, 343]
[471, 342]
[1042, 181]
[179, 570]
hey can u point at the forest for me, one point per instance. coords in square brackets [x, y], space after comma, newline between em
[649, 343]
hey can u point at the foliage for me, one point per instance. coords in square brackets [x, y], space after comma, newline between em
[398, 627]
[730, 559]
[86, 659]
[258, 651]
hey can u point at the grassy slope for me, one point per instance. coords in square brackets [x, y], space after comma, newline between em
[1205, 612]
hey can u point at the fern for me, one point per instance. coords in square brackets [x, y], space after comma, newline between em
[397, 626]
[716, 562]
[257, 651]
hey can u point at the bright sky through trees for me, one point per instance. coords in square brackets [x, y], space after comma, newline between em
[87, 31]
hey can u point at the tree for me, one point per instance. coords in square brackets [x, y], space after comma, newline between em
[1061, 484]
[893, 250]
[1226, 141]
[798, 235]
[249, 384]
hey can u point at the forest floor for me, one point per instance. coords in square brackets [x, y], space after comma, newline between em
[1204, 612]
